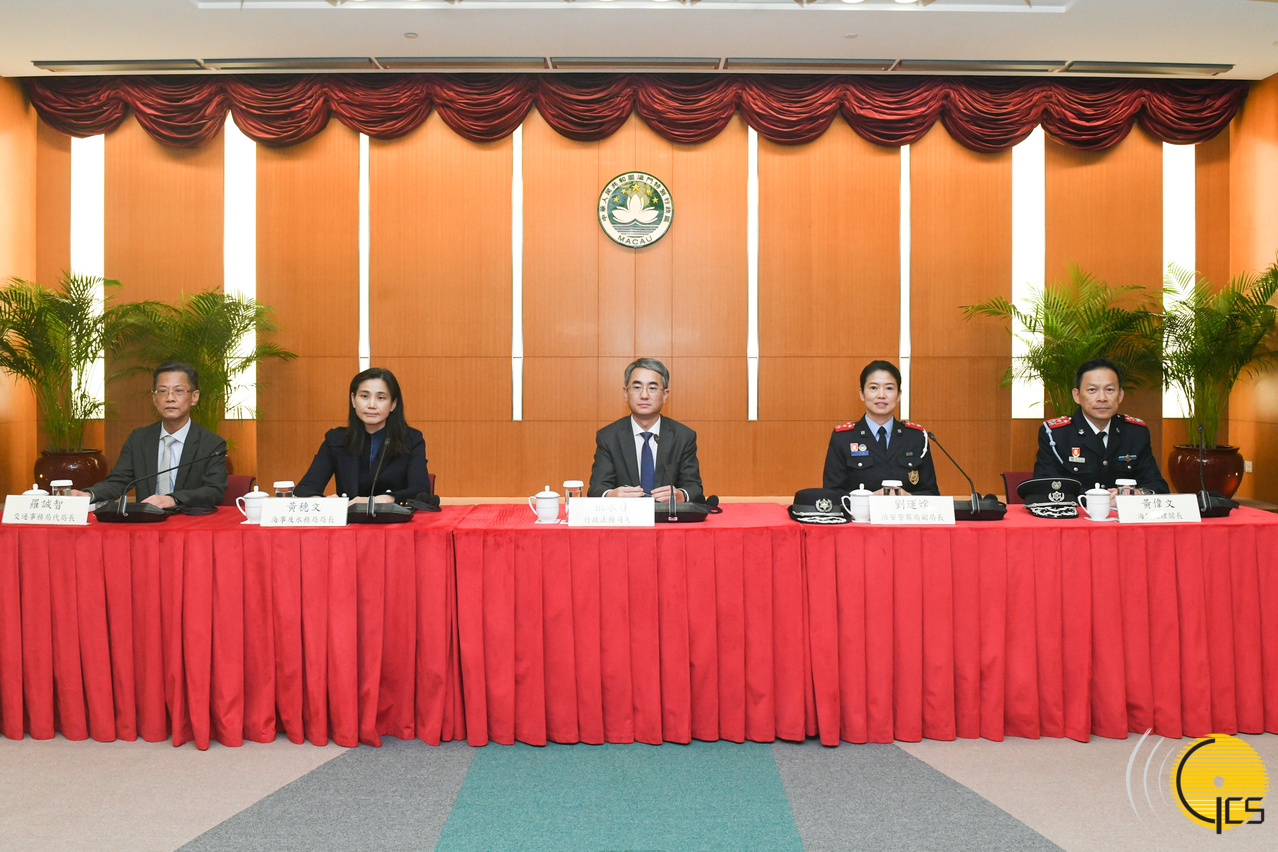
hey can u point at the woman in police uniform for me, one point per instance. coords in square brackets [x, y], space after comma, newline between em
[865, 452]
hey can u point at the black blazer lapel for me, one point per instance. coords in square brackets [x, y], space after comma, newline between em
[190, 452]
[625, 437]
[149, 463]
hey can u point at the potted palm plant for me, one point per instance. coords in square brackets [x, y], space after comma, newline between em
[1211, 337]
[1073, 321]
[205, 330]
[49, 339]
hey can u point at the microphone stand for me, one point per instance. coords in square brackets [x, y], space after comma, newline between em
[977, 513]
[665, 464]
[151, 513]
[976, 497]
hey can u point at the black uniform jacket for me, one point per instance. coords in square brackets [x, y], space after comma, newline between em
[855, 460]
[199, 484]
[616, 463]
[404, 476]
[1067, 446]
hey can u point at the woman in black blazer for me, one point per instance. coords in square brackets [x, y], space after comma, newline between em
[376, 450]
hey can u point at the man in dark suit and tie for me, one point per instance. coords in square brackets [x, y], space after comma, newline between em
[175, 439]
[646, 454]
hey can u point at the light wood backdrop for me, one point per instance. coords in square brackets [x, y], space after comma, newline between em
[829, 271]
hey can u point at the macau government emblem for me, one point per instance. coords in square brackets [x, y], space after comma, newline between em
[635, 209]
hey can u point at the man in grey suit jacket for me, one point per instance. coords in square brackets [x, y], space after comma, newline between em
[175, 388]
[640, 455]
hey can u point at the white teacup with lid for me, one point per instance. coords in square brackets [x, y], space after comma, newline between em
[858, 503]
[35, 491]
[545, 505]
[1096, 501]
[250, 505]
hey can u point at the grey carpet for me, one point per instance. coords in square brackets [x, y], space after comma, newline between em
[396, 797]
[878, 797]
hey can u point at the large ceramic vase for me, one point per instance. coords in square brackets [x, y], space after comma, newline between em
[83, 468]
[1222, 469]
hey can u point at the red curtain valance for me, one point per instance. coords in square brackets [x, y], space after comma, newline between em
[983, 113]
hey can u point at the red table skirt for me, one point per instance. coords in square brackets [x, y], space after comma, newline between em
[1033, 627]
[201, 628]
[623, 635]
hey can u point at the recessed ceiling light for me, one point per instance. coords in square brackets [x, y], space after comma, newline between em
[853, 1]
[410, 35]
[850, 35]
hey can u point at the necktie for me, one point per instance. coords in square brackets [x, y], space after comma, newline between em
[164, 482]
[880, 438]
[647, 468]
[1104, 440]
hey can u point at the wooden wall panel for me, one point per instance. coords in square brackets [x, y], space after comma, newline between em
[961, 253]
[829, 295]
[591, 306]
[163, 237]
[439, 253]
[1104, 213]
[308, 270]
[1253, 234]
[18, 212]
[53, 203]
[439, 283]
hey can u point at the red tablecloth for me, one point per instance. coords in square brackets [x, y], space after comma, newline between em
[202, 628]
[1033, 627]
[622, 635]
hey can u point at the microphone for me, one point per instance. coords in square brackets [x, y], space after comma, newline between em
[694, 510]
[145, 513]
[389, 513]
[1211, 504]
[979, 509]
[665, 465]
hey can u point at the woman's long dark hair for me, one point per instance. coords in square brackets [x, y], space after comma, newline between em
[396, 438]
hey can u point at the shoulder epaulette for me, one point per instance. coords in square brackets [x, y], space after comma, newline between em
[845, 426]
[1058, 422]
[1135, 420]
[913, 425]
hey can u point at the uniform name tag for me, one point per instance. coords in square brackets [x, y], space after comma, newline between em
[611, 512]
[43, 509]
[911, 509]
[1158, 509]
[304, 511]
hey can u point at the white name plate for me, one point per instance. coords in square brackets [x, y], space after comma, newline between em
[304, 511]
[42, 509]
[1158, 509]
[610, 512]
[911, 509]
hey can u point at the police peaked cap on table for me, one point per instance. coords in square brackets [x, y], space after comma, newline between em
[819, 506]
[1051, 496]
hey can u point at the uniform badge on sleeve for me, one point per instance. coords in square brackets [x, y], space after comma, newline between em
[914, 477]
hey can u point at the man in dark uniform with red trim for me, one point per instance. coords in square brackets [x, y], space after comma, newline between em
[865, 452]
[1096, 444]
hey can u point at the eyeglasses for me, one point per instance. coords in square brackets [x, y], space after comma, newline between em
[651, 388]
[177, 393]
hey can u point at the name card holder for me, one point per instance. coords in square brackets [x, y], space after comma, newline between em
[1158, 509]
[912, 509]
[43, 509]
[610, 512]
[304, 511]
